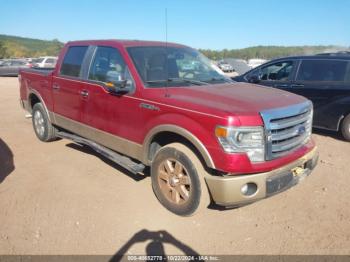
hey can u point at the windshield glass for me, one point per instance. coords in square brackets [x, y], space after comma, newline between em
[174, 66]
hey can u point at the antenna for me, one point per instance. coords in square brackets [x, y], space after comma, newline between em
[166, 53]
[166, 26]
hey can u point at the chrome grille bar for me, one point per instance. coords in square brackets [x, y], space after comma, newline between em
[286, 129]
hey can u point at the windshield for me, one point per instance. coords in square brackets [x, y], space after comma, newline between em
[174, 66]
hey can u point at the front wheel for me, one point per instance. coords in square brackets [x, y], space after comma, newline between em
[178, 180]
[345, 128]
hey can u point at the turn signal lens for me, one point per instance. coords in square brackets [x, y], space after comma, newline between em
[221, 131]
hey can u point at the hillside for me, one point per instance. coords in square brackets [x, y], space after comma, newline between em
[269, 52]
[14, 46]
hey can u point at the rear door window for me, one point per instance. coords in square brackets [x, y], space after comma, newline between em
[322, 70]
[71, 65]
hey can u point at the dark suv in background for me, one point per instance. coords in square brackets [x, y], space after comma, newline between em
[324, 79]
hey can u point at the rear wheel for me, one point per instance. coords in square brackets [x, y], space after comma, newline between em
[178, 180]
[345, 127]
[43, 128]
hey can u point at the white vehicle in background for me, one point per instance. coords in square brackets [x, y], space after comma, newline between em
[256, 62]
[45, 62]
[225, 67]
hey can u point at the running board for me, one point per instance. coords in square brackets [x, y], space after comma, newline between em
[119, 159]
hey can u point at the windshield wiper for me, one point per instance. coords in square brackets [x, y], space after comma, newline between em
[194, 82]
[186, 80]
[216, 79]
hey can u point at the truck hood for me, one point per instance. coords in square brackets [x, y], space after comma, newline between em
[232, 99]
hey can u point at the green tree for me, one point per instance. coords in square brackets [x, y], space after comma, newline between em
[2, 50]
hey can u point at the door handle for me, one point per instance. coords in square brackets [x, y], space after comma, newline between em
[55, 87]
[297, 85]
[84, 93]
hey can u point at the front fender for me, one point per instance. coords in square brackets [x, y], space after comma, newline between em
[187, 128]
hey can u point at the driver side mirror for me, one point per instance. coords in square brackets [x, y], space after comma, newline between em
[116, 84]
[254, 79]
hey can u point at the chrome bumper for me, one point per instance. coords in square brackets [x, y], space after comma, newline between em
[226, 190]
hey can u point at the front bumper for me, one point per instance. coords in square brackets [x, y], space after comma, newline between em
[226, 190]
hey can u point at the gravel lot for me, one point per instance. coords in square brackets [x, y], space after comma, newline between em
[59, 198]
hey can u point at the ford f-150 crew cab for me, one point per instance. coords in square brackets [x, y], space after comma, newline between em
[204, 137]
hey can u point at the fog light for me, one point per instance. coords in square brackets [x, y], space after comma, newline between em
[249, 189]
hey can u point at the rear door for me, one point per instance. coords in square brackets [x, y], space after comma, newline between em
[67, 86]
[323, 81]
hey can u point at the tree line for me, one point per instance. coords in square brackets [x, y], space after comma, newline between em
[269, 52]
[18, 47]
[13, 46]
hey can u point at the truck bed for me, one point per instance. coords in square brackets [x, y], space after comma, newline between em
[37, 70]
[38, 80]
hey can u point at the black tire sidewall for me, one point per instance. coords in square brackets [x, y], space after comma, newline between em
[345, 128]
[192, 204]
[39, 107]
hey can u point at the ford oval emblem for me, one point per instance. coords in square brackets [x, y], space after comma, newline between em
[301, 130]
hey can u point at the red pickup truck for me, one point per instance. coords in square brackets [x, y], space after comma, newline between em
[163, 105]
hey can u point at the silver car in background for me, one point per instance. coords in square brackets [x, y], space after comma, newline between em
[11, 67]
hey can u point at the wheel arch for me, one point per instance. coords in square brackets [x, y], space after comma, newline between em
[166, 134]
[341, 119]
[33, 98]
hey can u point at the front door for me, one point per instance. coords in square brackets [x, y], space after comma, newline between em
[113, 120]
[278, 74]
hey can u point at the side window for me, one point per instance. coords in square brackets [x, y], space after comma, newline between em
[280, 71]
[108, 65]
[347, 74]
[322, 70]
[73, 60]
[17, 63]
[49, 61]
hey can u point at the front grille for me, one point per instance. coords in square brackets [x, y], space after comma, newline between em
[287, 128]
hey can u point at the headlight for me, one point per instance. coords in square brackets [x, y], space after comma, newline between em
[249, 140]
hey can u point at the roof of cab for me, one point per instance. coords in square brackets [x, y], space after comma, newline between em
[124, 43]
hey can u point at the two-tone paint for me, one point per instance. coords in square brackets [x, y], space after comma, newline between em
[129, 123]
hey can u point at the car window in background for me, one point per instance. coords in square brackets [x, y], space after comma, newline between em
[347, 74]
[7, 63]
[322, 70]
[277, 72]
[50, 61]
[17, 63]
[38, 60]
[73, 60]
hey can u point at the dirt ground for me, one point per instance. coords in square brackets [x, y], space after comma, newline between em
[59, 198]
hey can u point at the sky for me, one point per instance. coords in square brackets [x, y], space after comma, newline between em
[206, 24]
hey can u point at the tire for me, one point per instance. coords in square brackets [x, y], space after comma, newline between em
[345, 128]
[178, 180]
[43, 128]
